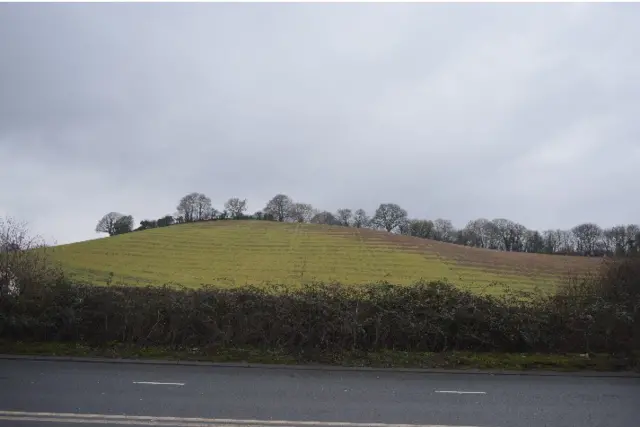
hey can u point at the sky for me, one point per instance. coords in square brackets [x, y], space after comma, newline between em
[522, 111]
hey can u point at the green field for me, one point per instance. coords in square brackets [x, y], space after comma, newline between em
[233, 253]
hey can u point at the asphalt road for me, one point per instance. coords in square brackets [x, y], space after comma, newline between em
[46, 394]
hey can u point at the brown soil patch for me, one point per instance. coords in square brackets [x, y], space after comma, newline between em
[478, 258]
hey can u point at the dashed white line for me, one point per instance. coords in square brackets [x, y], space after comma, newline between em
[156, 383]
[460, 392]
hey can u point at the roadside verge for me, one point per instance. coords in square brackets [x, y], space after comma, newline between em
[452, 362]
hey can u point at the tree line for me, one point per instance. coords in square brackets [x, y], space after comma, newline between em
[586, 239]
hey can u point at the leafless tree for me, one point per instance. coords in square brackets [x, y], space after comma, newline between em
[236, 207]
[511, 233]
[361, 219]
[633, 238]
[615, 239]
[533, 242]
[108, 223]
[566, 242]
[404, 228]
[24, 260]
[301, 212]
[551, 241]
[587, 237]
[279, 207]
[187, 207]
[477, 233]
[389, 216]
[344, 216]
[443, 230]
[194, 207]
[203, 207]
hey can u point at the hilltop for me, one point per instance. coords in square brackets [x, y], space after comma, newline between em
[231, 253]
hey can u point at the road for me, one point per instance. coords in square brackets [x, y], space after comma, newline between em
[46, 394]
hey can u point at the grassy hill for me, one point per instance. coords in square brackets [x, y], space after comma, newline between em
[231, 253]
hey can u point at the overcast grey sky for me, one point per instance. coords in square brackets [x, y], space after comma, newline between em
[528, 112]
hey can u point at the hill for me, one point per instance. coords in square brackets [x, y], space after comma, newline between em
[233, 253]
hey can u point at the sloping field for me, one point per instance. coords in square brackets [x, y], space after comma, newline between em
[231, 253]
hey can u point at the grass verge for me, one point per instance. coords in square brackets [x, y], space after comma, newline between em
[385, 359]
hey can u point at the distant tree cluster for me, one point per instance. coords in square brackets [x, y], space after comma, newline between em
[499, 234]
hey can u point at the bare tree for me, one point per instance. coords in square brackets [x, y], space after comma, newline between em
[187, 207]
[587, 237]
[301, 212]
[108, 223]
[443, 230]
[389, 216]
[551, 241]
[633, 238]
[24, 260]
[615, 239]
[477, 233]
[511, 233]
[566, 242]
[534, 243]
[236, 207]
[194, 207]
[344, 216]
[324, 218]
[203, 207]
[361, 219]
[279, 207]
[404, 228]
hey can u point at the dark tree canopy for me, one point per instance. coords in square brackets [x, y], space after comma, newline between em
[124, 225]
[108, 223]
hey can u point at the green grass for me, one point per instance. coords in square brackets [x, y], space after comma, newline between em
[234, 253]
[386, 359]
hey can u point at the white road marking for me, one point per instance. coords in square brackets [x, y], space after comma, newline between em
[460, 392]
[119, 422]
[183, 422]
[155, 383]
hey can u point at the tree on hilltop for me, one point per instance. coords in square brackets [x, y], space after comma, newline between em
[301, 212]
[279, 207]
[361, 219]
[344, 217]
[194, 207]
[124, 224]
[389, 216]
[236, 207]
[108, 223]
[324, 218]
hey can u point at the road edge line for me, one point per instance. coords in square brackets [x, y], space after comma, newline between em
[327, 368]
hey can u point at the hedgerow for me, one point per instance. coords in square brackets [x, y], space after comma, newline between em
[598, 314]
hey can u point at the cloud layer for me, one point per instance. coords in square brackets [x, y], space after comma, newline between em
[528, 112]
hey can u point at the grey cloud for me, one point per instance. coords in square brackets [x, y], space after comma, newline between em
[460, 111]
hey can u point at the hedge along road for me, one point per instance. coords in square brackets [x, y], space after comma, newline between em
[46, 393]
